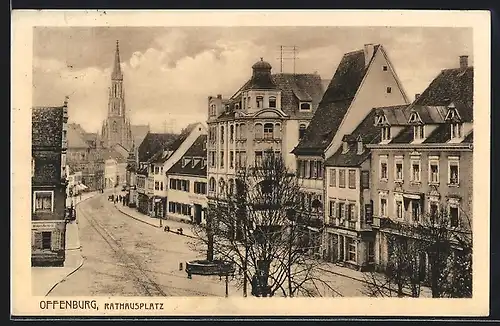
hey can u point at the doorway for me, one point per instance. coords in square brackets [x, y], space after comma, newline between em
[197, 214]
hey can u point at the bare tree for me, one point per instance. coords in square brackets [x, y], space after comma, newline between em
[435, 252]
[257, 223]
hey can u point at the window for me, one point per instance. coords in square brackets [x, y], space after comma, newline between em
[258, 158]
[161, 185]
[365, 179]
[200, 188]
[341, 210]
[43, 201]
[212, 109]
[418, 132]
[305, 106]
[307, 170]
[433, 171]
[433, 210]
[351, 212]
[231, 159]
[383, 170]
[243, 131]
[260, 102]
[277, 131]
[230, 186]
[222, 134]
[157, 170]
[453, 171]
[415, 210]
[237, 106]
[314, 171]
[456, 130]
[398, 170]
[302, 130]
[453, 212]
[319, 166]
[333, 178]
[272, 102]
[351, 249]
[389, 90]
[399, 208]
[415, 171]
[157, 185]
[386, 133]
[249, 101]
[114, 127]
[352, 179]
[268, 131]
[222, 186]
[341, 178]
[231, 133]
[331, 208]
[258, 131]
[384, 68]
[212, 159]
[46, 240]
[211, 185]
[222, 159]
[383, 207]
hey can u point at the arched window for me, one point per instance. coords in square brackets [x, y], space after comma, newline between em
[211, 185]
[230, 186]
[243, 131]
[268, 130]
[302, 130]
[272, 102]
[277, 131]
[222, 186]
[258, 131]
[260, 102]
[114, 126]
[222, 134]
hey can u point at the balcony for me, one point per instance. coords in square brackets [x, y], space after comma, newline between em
[267, 140]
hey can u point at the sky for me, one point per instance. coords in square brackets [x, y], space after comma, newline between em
[169, 72]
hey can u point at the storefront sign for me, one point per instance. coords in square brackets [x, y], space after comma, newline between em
[47, 225]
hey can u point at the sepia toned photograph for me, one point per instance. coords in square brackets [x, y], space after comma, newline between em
[243, 162]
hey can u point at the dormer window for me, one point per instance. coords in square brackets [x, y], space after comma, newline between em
[305, 106]
[212, 109]
[418, 132]
[237, 106]
[272, 102]
[456, 130]
[260, 102]
[345, 147]
[227, 108]
[185, 161]
[386, 133]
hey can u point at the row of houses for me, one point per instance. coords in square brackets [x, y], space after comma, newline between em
[168, 178]
[361, 148]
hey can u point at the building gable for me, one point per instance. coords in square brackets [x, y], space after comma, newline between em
[380, 87]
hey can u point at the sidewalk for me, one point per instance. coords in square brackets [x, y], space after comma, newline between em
[44, 279]
[153, 221]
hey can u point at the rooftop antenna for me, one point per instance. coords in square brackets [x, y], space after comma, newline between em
[288, 52]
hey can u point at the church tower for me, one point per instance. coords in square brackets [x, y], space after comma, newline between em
[116, 128]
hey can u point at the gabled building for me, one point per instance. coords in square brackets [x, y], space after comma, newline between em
[423, 161]
[268, 113]
[364, 79]
[48, 185]
[187, 184]
[348, 237]
[163, 160]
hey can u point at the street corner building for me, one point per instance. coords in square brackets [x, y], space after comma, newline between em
[270, 112]
[48, 185]
[422, 162]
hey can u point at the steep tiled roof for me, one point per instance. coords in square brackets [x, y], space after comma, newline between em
[395, 115]
[430, 114]
[152, 143]
[111, 153]
[404, 136]
[369, 134]
[451, 86]
[47, 126]
[197, 151]
[440, 135]
[469, 138]
[173, 146]
[335, 103]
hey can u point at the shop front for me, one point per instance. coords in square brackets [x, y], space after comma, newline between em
[158, 205]
[351, 249]
[48, 243]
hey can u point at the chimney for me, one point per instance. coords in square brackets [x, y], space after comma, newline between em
[417, 96]
[368, 49]
[219, 96]
[464, 61]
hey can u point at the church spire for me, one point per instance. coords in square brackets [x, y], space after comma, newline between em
[117, 70]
